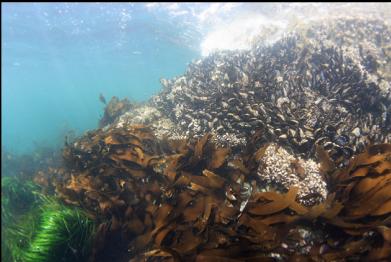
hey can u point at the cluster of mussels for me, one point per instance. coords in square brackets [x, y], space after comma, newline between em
[299, 91]
[190, 200]
[367, 41]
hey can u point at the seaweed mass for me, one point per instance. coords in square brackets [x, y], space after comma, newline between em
[189, 201]
[278, 153]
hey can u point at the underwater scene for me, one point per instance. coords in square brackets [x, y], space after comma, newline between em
[195, 132]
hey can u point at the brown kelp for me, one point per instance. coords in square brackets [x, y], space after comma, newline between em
[188, 200]
[113, 109]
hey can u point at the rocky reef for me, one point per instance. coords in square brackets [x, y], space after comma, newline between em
[310, 88]
[326, 84]
[274, 153]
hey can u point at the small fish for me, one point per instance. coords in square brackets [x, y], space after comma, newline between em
[102, 98]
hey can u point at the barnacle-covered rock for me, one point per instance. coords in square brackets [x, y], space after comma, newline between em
[161, 125]
[281, 170]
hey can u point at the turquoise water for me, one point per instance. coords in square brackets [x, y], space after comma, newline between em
[57, 58]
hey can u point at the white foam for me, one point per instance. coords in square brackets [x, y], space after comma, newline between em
[235, 26]
[239, 34]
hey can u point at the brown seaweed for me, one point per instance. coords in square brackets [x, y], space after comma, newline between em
[181, 201]
[113, 109]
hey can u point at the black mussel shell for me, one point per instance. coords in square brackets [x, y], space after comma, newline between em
[342, 140]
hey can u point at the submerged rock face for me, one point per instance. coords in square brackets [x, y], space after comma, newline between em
[306, 89]
[148, 115]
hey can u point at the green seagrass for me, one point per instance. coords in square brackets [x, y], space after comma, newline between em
[38, 228]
